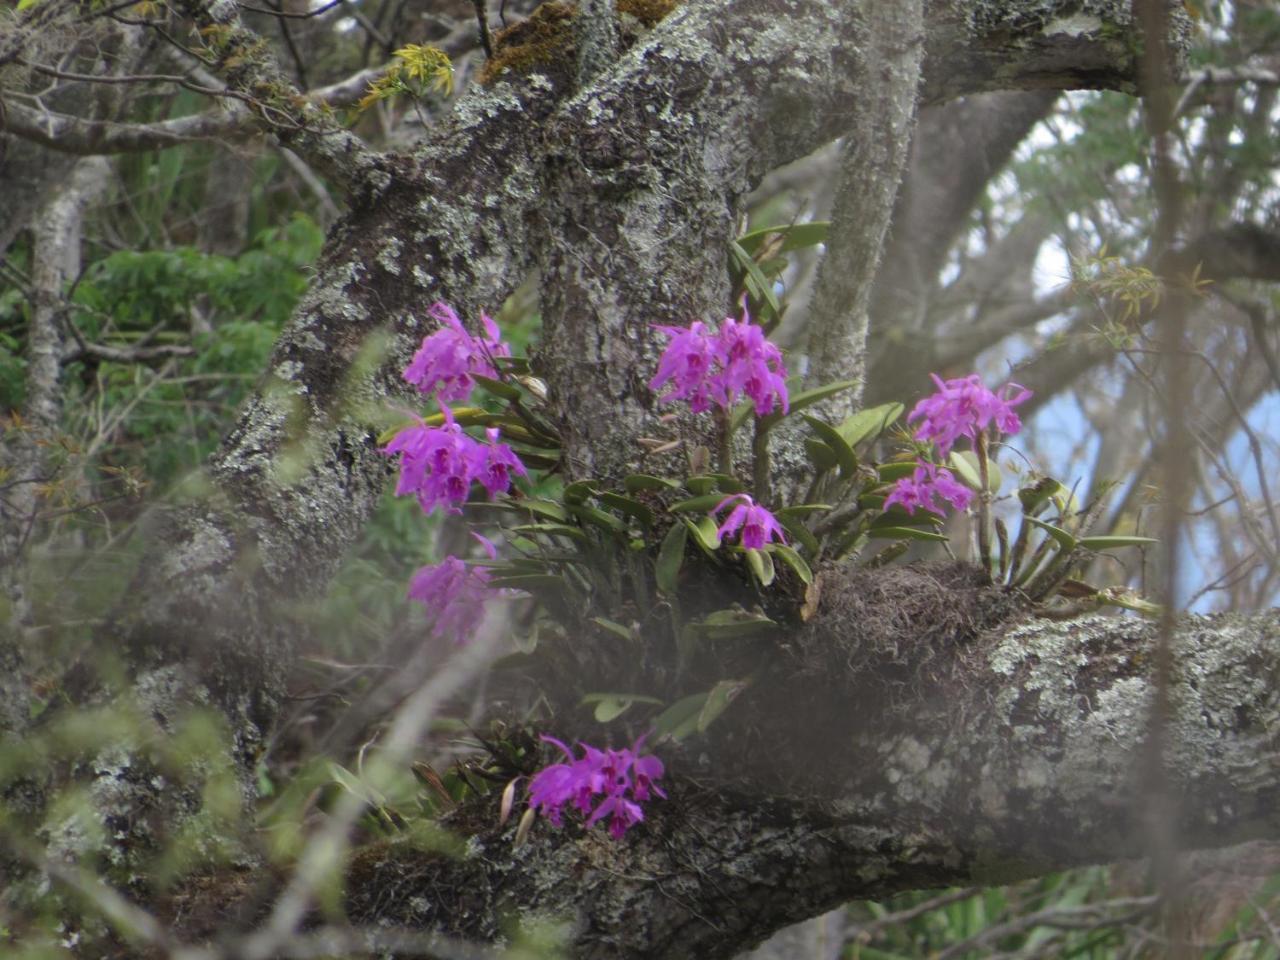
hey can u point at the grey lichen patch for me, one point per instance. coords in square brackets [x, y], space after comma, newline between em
[328, 299]
[1075, 703]
[389, 256]
[484, 104]
[166, 693]
[207, 546]
[1074, 25]
[1227, 687]
[1059, 673]
[290, 372]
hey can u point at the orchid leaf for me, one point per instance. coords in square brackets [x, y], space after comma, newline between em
[793, 560]
[670, 558]
[761, 565]
[1112, 542]
[1064, 540]
[844, 454]
[718, 700]
[870, 423]
[906, 533]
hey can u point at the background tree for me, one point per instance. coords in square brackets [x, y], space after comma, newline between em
[594, 182]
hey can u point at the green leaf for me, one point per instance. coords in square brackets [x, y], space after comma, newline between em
[637, 482]
[731, 623]
[609, 706]
[897, 517]
[802, 509]
[606, 521]
[1064, 540]
[906, 533]
[529, 581]
[543, 508]
[553, 529]
[705, 533]
[966, 467]
[795, 236]
[892, 472]
[795, 526]
[1128, 600]
[844, 454]
[740, 415]
[807, 398]
[760, 286]
[1110, 543]
[705, 483]
[536, 461]
[761, 565]
[718, 700]
[632, 508]
[511, 364]
[1037, 495]
[613, 627]
[820, 455]
[498, 388]
[389, 434]
[579, 491]
[681, 718]
[700, 504]
[870, 423]
[670, 557]
[351, 783]
[793, 560]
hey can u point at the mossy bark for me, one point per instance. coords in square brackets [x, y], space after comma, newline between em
[1017, 756]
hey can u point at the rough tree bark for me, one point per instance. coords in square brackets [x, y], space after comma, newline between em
[1004, 754]
[1004, 746]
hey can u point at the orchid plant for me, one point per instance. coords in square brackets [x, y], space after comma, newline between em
[589, 548]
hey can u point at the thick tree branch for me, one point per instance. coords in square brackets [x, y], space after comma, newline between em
[1022, 759]
[875, 155]
[958, 148]
[1238, 251]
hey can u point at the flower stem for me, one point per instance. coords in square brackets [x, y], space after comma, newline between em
[984, 501]
[760, 462]
[724, 447]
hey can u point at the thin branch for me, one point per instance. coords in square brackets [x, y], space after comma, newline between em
[285, 15]
[482, 19]
[1088, 916]
[77, 135]
[867, 930]
[48, 71]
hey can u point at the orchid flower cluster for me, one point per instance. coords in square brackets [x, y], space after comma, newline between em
[456, 591]
[612, 774]
[962, 407]
[438, 464]
[445, 362]
[755, 525]
[709, 367]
